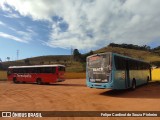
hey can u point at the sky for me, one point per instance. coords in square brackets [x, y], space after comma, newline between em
[53, 27]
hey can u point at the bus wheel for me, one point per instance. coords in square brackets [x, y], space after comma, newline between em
[147, 79]
[23, 82]
[15, 80]
[39, 81]
[47, 83]
[133, 84]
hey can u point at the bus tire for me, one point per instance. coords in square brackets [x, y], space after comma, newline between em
[23, 82]
[148, 79]
[47, 83]
[15, 80]
[133, 84]
[39, 81]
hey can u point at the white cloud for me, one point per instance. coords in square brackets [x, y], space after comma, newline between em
[11, 15]
[2, 23]
[3, 6]
[94, 23]
[20, 36]
[8, 36]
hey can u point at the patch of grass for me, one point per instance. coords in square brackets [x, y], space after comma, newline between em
[3, 75]
[74, 75]
[139, 54]
[75, 67]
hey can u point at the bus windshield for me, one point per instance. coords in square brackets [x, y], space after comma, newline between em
[99, 67]
[99, 61]
[60, 68]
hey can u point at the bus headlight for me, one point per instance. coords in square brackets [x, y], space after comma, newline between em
[105, 80]
[92, 80]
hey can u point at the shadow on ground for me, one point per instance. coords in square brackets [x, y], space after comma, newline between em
[151, 90]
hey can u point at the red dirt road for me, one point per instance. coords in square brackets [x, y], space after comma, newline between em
[73, 95]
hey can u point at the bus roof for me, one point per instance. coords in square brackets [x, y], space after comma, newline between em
[130, 58]
[34, 66]
[119, 55]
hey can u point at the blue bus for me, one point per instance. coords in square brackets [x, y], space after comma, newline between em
[115, 71]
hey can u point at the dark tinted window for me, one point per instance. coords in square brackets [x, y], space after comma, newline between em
[120, 63]
[16, 70]
[35, 70]
[132, 64]
[45, 70]
[61, 68]
[143, 66]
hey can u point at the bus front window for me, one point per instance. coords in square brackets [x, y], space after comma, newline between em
[99, 68]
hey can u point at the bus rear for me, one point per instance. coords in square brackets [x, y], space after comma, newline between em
[60, 74]
[99, 71]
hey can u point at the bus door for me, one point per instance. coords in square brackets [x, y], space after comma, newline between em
[127, 78]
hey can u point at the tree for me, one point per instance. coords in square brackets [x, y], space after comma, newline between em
[8, 58]
[76, 55]
[76, 52]
[27, 61]
[1, 66]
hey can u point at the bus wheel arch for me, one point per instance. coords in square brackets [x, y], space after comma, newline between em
[133, 84]
[15, 80]
[39, 81]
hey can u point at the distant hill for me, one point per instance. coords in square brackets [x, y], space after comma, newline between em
[66, 60]
[139, 54]
[74, 65]
[157, 50]
[149, 56]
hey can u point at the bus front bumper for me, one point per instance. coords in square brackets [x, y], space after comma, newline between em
[100, 85]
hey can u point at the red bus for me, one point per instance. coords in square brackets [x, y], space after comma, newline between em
[39, 74]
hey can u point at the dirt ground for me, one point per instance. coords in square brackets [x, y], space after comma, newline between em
[73, 95]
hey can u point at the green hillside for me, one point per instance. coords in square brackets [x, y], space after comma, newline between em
[67, 60]
[139, 54]
[78, 65]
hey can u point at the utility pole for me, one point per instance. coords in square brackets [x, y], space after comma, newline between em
[71, 54]
[17, 54]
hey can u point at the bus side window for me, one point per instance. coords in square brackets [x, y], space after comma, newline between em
[48, 70]
[26, 70]
[18, 70]
[23, 70]
[120, 63]
[40, 70]
[141, 66]
[61, 68]
[133, 65]
[53, 69]
[36, 70]
[14, 70]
